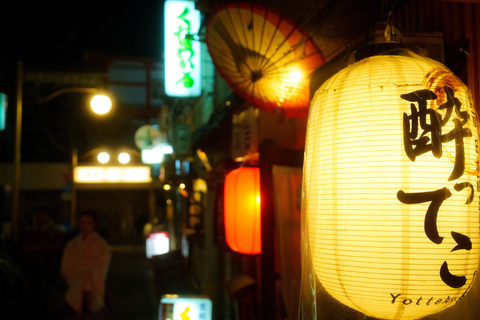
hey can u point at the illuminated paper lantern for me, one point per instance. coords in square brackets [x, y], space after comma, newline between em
[242, 210]
[390, 182]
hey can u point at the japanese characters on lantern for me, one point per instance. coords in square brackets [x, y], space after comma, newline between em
[390, 184]
[424, 134]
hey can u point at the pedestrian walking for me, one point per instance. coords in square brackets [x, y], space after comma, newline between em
[84, 267]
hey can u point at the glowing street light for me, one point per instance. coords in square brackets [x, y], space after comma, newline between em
[101, 104]
[106, 174]
[123, 158]
[103, 157]
[295, 76]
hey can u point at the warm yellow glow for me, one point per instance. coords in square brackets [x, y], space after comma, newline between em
[124, 158]
[374, 247]
[271, 47]
[103, 157]
[101, 174]
[101, 104]
[166, 187]
[182, 186]
[242, 210]
[295, 76]
[203, 157]
[200, 185]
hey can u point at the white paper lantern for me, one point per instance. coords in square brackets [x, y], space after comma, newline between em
[390, 182]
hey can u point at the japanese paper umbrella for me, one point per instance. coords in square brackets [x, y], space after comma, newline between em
[265, 57]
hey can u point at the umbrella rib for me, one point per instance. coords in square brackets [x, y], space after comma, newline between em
[273, 36]
[274, 63]
[252, 30]
[242, 25]
[244, 49]
[260, 55]
[295, 27]
[225, 36]
[241, 82]
[236, 31]
[240, 47]
[253, 89]
[260, 94]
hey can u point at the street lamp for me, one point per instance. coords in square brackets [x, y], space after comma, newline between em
[124, 158]
[103, 157]
[105, 173]
[100, 104]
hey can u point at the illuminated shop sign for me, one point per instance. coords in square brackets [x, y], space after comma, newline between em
[157, 243]
[155, 155]
[175, 307]
[182, 52]
[3, 110]
[101, 174]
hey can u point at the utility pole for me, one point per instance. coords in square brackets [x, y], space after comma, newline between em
[17, 149]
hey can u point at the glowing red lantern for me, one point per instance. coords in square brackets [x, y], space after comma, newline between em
[242, 210]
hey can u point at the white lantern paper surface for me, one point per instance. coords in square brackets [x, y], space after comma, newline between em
[390, 186]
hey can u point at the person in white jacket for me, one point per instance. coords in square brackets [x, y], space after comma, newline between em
[84, 267]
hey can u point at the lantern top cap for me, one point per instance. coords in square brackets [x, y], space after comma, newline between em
[391, 48]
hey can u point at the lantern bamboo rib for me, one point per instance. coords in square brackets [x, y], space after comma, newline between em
[364, 289]
[386, 270]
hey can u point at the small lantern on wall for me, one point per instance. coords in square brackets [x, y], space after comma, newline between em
[390, 184]
[242, 210]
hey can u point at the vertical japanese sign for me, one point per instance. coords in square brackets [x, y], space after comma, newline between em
[182, 139]
[182, 51]
[245, 133]
[3, 110]
[391, 187]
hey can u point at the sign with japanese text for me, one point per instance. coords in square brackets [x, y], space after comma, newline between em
[175, 307]
[182, 50]
[391, 187]
[3, 110]
[105, 174]
[157, 243]
[182, 139]
[245, 133]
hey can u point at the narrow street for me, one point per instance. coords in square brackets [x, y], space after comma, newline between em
[132, 286]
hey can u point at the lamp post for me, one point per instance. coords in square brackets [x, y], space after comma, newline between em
[100, 104]
[17, 153]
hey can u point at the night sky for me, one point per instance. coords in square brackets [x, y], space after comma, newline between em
[55, 36]
[59, 33]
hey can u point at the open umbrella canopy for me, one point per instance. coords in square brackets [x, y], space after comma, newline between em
[265, 57]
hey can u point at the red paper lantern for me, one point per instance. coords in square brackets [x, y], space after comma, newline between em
[242, 210]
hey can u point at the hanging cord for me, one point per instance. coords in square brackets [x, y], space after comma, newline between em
[392, 34]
